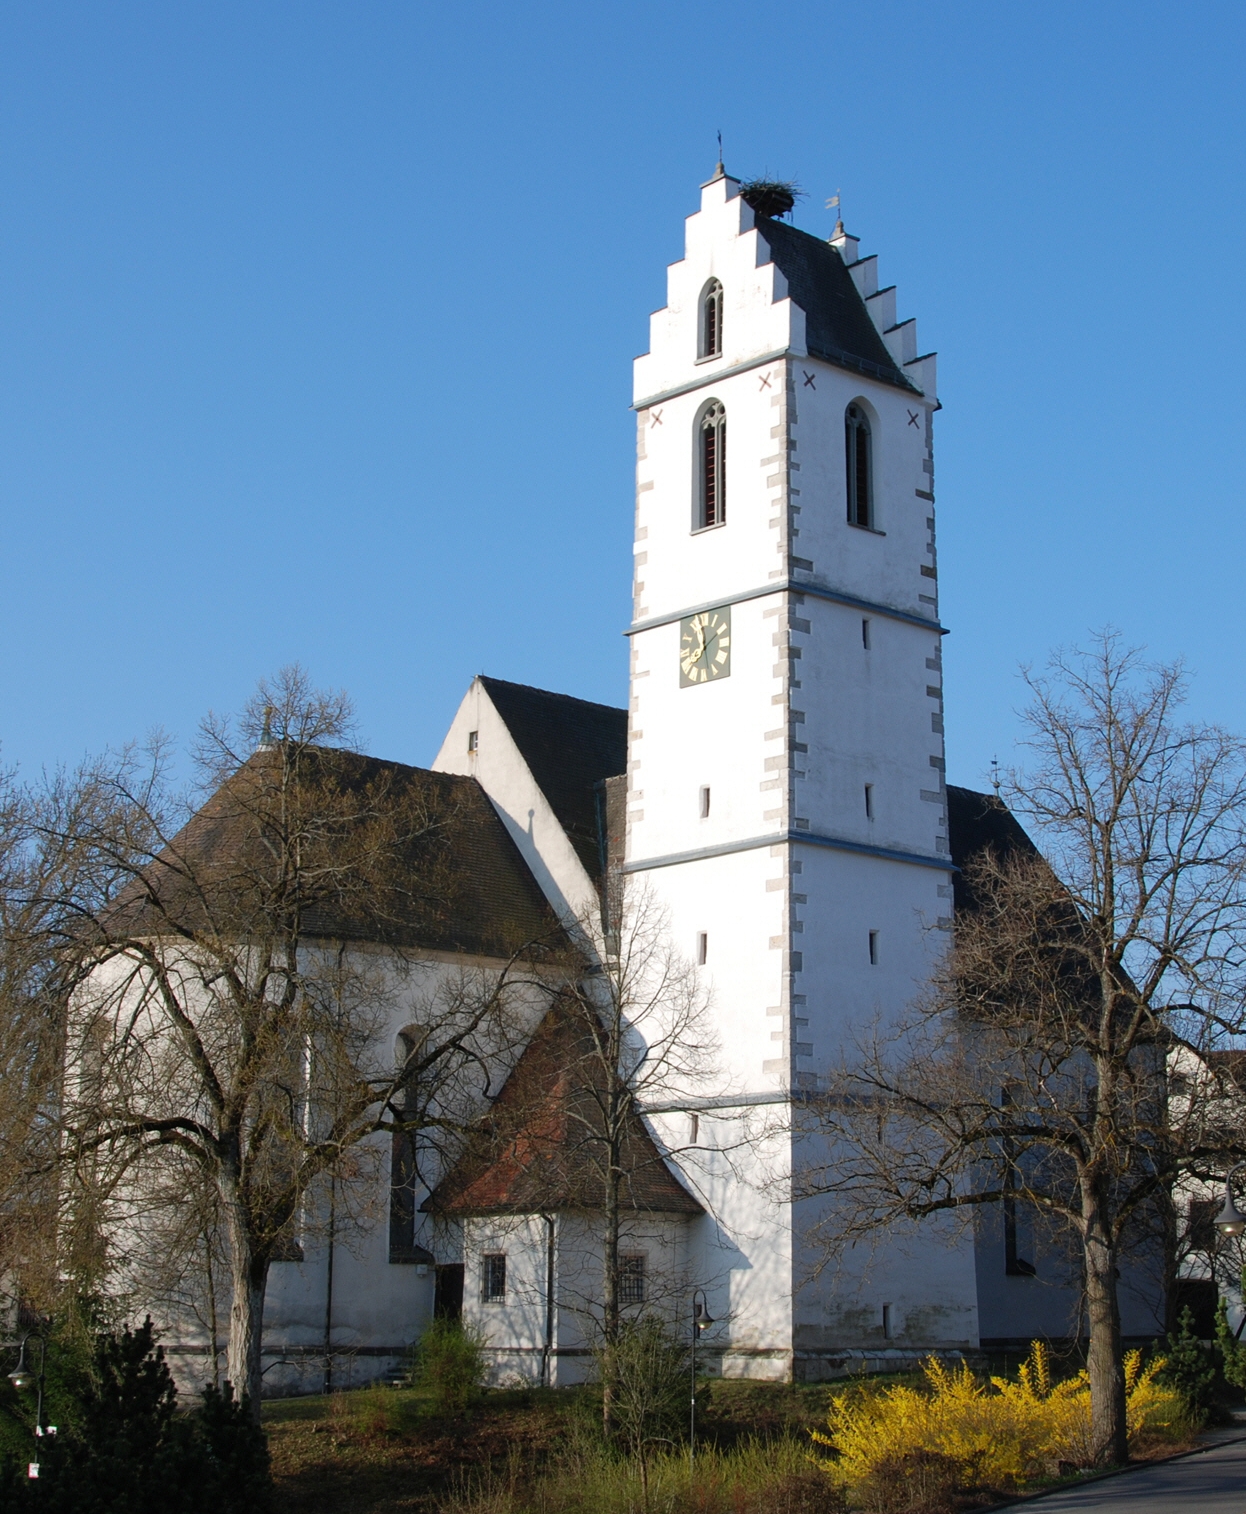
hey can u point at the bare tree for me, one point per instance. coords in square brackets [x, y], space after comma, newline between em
[1033, 1074]
[626, 1030]
[32, 994]
[643, 1025]
[240, 976]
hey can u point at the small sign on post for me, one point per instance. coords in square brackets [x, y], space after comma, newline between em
[32, 1469]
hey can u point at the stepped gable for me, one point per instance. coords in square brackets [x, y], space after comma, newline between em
[976, 822]
[461, 887]
[536, 1151]
[570, 745]
[838, 326]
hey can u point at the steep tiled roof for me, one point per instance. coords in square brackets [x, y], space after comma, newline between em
[541, 1148]
[569, 746]
[975, 822]
[837, 324]
[458, 883]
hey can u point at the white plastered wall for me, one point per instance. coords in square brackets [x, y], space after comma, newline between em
[786, 745]
[515, 1327]
[378, 1307]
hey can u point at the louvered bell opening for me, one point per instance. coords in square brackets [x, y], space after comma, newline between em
[713, 467]
[863, 476]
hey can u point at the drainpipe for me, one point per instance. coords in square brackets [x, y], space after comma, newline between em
[548, 1352]
[328, 1292]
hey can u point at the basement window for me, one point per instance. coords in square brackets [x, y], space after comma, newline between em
[493, 1279]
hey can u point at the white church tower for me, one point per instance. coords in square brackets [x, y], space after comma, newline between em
[786, 796]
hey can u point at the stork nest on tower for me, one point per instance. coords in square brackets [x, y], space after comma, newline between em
[771, 197]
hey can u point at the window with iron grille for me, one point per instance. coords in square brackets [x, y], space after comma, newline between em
[712, 447]
[493, 1280]
[711, 334]
[860, 467]
[632, 1279]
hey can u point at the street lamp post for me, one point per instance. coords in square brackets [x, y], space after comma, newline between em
[701, 1320]
[1230, 1220]
[22, 1377]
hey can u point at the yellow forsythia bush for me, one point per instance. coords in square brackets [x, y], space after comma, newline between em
[1004, 1433]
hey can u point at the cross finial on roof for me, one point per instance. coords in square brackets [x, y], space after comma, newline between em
[266, 735]
[719, 170]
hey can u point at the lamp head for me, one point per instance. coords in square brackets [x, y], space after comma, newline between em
[1230, 1220]
[701, 1315]
[22, 1378]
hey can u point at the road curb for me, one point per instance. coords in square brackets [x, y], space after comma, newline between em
[1084, 1482]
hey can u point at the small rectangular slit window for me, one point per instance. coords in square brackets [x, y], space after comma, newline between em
[473, 740]
[493, 1278]
[694, 1128]
[869, 801]
[886, 1322]
[865, 634]
[705, 803]
[873, 948]
[703, 947]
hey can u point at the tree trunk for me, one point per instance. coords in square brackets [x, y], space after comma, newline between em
[1105, 1361]
[249, 1277]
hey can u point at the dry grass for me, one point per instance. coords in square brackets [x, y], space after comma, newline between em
[381, 1451]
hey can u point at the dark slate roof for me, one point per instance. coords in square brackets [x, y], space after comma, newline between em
[456, 883]
[976, 822]
[539, 1149]
[837, 324]
[569, 746]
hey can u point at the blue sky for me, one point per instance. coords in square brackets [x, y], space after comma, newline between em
[316, 323]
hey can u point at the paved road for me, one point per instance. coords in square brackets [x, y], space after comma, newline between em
[1213, 1482]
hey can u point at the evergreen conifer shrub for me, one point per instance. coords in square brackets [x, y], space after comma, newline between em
[130, 1450]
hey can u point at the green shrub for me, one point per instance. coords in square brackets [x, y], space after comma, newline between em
[652, 1385]
[1191, 1368]
[450, 1364]
[1232, 1350]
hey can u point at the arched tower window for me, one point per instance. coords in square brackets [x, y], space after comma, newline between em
[403, 1174]
[712, 460]
[710, 342]
[860, 467]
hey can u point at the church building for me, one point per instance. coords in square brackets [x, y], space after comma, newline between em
[776, 786]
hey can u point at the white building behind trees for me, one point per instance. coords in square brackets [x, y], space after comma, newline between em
[776, 788]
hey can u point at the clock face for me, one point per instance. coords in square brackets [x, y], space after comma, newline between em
[704, 647]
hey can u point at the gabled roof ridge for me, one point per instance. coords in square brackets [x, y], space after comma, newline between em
[528, 688]
[569, 745]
